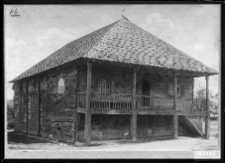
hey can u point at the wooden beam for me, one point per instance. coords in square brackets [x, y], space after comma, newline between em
[175, 117]
[192, 95]
[75, 108]
[134, 109]
[39, 106]
[207, 117]
[27, 105]
[87, 130]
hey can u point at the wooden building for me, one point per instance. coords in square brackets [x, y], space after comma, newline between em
[119, 82]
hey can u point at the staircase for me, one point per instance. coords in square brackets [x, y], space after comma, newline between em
[190, 126]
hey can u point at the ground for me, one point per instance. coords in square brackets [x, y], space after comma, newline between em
[191, 146]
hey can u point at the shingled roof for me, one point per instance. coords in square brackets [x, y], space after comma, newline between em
[123, 42]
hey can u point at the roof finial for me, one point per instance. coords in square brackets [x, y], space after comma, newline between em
[123, 17]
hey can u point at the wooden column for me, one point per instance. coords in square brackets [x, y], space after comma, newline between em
[134, 109]
[87, 130]
[76, 120]
[27, 105]
[193, 81]
[175, 117]
[77, 127]
[39, 106]
[207, 117]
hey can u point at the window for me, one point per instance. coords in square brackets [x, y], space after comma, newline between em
[102, 86]
[171, 90]
[61, 85]
[106, 87]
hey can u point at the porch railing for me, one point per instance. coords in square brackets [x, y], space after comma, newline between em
[106, 101]
[144, 103]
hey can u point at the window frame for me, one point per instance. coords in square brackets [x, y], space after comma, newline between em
[61, 84]
[106, 86]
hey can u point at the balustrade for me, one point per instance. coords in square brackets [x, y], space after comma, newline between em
[122, 102]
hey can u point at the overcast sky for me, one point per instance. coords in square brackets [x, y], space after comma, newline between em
[40, 30]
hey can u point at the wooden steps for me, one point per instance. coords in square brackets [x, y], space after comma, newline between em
[190, 126]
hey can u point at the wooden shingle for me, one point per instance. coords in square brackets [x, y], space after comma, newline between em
[123, 42]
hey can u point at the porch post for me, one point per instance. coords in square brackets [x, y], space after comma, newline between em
[207, 117]
[27, 106]
[39, 106]
[87, 130]
[76, 115]
[175, 117]
[134, 110]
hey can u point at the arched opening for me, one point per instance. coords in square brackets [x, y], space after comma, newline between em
[61, 85]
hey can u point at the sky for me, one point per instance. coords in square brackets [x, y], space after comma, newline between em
[40, 30]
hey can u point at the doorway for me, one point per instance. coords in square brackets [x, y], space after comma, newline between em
[145, 93]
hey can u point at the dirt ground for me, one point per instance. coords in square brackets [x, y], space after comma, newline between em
[21, 146]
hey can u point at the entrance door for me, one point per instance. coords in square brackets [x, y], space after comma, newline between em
[145, 92]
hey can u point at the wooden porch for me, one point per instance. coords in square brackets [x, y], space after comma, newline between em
[91, 102]
[122, 104]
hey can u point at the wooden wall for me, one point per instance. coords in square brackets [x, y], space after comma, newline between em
[33, 106]
[20, 106]
[57, 116]
[159, 84]
[58, 112]
[118, 126]
[150, 126]
[122, 79]
[106, 127]
[159, 90]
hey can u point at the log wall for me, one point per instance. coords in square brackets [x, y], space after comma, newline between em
[159, 86]
[33, 106]
[118, 126]
[57, 118]
[58, 109]
[122, 79]
[20, 106]
[159, 90]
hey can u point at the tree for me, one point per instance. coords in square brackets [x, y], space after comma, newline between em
[10, 115]
[200, 100]
[199, 103]
[214, 107]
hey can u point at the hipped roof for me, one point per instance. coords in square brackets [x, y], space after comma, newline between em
[122, 42]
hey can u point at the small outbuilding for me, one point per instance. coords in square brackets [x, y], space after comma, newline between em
[119, 82]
